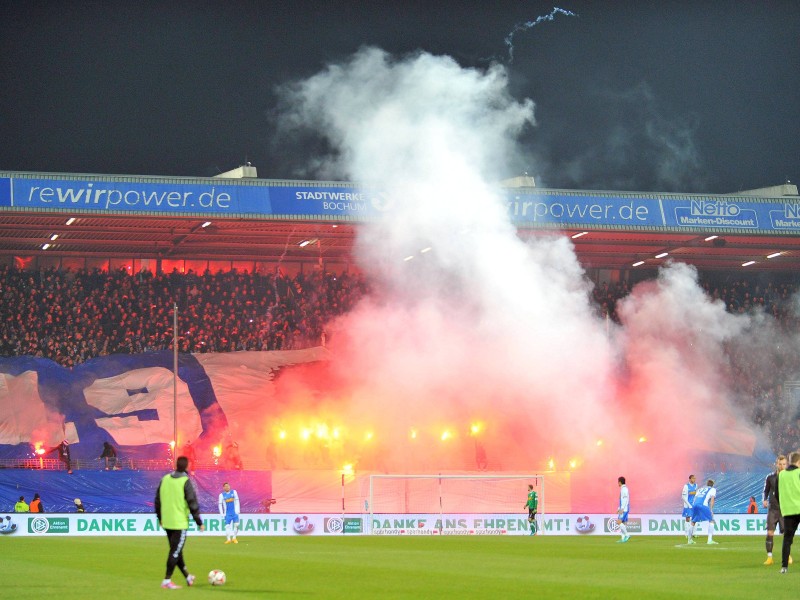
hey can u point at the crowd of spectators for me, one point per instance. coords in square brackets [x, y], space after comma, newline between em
[758, 373]
[72, 316]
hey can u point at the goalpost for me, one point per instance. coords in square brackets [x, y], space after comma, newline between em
[443, 495]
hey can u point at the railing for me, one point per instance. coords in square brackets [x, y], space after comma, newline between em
[99, 464]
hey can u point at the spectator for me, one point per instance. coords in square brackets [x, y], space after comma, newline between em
[63, 454]
[110, 455]
[231, 456]
[189, 453]
[79, 506]
[21, 506]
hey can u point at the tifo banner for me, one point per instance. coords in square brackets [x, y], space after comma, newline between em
[129, 399]
[17, 525]
[282, 199]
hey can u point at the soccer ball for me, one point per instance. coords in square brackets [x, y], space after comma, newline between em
[216, 577]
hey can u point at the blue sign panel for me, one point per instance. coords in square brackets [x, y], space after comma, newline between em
[5, 191]
[546, 208]
[784, 216]
[213, 198]
[734, 213]
[567, 209]
[350, 202]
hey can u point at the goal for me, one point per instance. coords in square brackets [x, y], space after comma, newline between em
[442, 495]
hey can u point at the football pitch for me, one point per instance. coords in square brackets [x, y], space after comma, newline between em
[398, 567]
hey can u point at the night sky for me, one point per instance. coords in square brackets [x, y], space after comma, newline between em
[684, 96]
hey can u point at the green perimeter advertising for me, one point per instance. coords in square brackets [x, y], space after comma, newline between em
[87, 524]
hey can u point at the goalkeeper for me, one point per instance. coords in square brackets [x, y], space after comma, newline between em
[532, 505]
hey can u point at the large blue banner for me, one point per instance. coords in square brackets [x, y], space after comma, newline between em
[133, 401]
[549, 209]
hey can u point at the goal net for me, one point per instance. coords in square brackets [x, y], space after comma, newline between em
[442, 495]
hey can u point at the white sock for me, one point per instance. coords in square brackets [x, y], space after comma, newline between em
[691, 531]
[710, 531]
[166, 581]
[623, 530]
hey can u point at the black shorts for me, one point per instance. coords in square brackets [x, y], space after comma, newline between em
[774, 518]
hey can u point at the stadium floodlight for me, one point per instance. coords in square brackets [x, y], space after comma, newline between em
[54, 237]
[748, 263]
[581, 234]
[638, 263]
[450, 496]
[711, 237]
[304, 243]
[774, 254]
[45, 246]
[71, 220]
[206, 224]
[662, 255]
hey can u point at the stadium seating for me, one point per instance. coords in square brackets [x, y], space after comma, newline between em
[73, 316]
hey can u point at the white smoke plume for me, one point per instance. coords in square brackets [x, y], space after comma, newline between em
[468, 325]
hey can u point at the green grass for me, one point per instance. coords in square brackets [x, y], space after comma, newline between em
[398, 567]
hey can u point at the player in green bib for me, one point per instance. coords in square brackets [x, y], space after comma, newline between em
[175, 501]
[532, 505]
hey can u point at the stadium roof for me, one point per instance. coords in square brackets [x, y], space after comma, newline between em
[272, 235]
[25, 233]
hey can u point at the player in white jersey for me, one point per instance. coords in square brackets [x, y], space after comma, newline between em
[687, 495]
[703, 510]
[229, 509]
[623, 510]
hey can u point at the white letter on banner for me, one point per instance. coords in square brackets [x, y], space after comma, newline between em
[143, 389]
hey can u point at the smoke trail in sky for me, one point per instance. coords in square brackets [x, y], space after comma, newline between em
[467, 323]
[519, 27]
[637, 145]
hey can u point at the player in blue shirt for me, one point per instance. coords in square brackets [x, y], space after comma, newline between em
[229, 508]
[623, 510]
[687, 495]
[703, 510]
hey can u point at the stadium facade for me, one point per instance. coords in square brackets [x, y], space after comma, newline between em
[166, 223]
